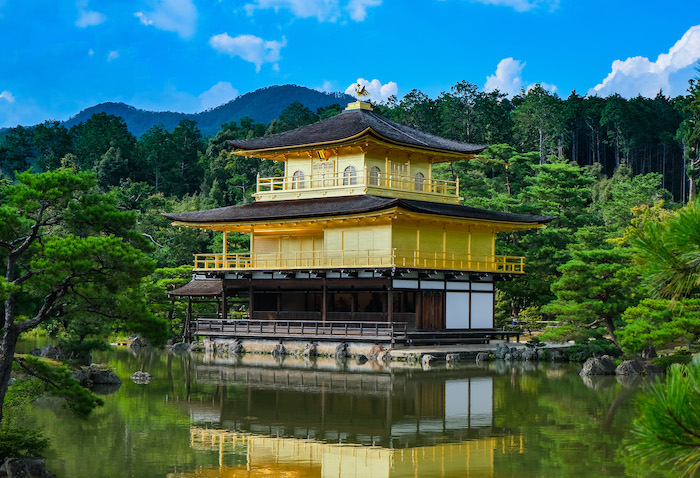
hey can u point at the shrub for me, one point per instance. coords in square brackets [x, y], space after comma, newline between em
[681, 356]
[583, 349]
[17, 441]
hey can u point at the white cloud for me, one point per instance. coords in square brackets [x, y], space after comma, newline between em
[143, 19]
[327, 87]
[640, 76]
[179, 16]
[377, 92]
[507, 78]
[220, 93]
[113, 55]
[7, 96]
[89, 19]
[358, 8]
[91, 52]
[322, 10]
[523, 5]
[250, 48]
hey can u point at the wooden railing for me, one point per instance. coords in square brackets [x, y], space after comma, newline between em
[301, 328]
[360, 259]
[345, 179]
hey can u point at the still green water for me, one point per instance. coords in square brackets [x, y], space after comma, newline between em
[203, 416]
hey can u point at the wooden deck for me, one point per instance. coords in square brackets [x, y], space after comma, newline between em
[345, 331]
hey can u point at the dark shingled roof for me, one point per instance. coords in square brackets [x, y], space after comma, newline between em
[350, 123]
[199, 288]
[344, 205]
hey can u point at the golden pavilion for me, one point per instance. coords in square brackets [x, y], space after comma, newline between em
[358, 241]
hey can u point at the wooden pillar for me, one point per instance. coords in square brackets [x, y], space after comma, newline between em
[224, 308]
[279, 302]
[251, 303]
[390, 305]
[187, 332]
[324, 302]
[419, 309]
[353, 303]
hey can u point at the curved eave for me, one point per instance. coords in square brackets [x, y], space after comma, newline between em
[498, 224]
[277, 153]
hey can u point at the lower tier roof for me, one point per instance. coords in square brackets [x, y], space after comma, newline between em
[345, 205]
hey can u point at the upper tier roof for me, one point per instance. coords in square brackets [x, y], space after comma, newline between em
[344, 205]
[354, 124]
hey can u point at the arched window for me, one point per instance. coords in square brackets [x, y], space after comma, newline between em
[374, 176]
[418, 184]
[298, 180]
[350, 176]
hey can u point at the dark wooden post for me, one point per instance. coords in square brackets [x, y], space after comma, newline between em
[224, 310]
[390, 305]
[188, 321]
[250, 302]
[324, 305]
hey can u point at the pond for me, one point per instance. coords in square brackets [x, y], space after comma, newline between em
[203, 416]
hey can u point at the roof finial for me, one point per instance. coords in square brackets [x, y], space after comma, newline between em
[360, 91]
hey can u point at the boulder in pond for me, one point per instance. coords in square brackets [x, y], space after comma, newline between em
[604, 365]
[141, 378]
[104, 377]
[137, 342]
[649, 353]
[482, 357]
[27, 467]
[279, 350]
[384, 356]
[451, 359]
[375, 351]
[530, 354]
[501, 350]
[180, 347]
[197, 346]
[360, 359]
[341, 351]
[427, 360]
[310, 350]
[637, 367]
[555, 355]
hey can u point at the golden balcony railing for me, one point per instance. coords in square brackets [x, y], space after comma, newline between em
[345, 179]
[381, 258]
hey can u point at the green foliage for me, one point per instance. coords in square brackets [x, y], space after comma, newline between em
[583, 349]
[660, 322]
[667, 427]
[70, 255]
[680, 356]
[16, 441]
[595, 288]
[44, 378]
[155, 288]
[668, 251]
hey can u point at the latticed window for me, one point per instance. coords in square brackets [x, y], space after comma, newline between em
[298, 180]
[374, 176]
[350, 176]
[418, 184]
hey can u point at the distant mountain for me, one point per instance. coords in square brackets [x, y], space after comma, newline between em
[262, 105]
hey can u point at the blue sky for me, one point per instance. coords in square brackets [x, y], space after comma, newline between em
[61, 56]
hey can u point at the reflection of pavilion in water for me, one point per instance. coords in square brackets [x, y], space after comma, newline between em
[400, 409]
[296, 421]
[294, 457]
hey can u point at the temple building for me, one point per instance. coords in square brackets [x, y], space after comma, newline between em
[357, 241]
